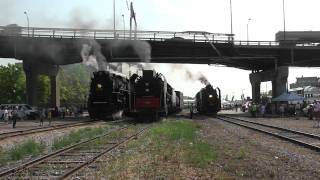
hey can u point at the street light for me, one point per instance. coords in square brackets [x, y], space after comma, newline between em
[231, 17]
[114, 19]
[248, 30]
[124, 27]
[284, 21]
[27, 20]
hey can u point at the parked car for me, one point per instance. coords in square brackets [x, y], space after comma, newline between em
[24, 110]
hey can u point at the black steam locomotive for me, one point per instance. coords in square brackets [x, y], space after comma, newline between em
[139, 96]
[208, 100]
[155, 97]
[109, 93]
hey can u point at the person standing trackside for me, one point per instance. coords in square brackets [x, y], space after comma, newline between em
[262, 109]
[49, 116]
[297, 110]
[191, 111]
[14, 116]
[42, 116]
[6, 115]
[316, 114]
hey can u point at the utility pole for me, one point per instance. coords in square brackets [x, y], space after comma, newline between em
[231, 17]
[248, 30]
[114, 19]
[124, 27]
[284, 21]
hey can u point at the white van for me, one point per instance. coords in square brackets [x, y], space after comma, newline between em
[24, 111]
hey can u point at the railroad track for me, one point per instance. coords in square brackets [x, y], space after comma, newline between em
[23, 132]
[67, 162]
[308, 140]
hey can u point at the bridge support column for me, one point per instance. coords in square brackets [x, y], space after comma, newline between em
[32, 87]
[55, 93]
[255, 91]
[32, 70]
[279, 81]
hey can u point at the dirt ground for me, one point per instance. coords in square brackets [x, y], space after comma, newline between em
[246, 154]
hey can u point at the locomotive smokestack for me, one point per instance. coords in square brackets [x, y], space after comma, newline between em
[203, 79]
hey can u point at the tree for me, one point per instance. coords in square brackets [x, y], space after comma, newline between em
[74, 84]
[12, 84]
[43, 89]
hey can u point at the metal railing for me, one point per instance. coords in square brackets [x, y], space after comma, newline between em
[109, 34]
[194, 36]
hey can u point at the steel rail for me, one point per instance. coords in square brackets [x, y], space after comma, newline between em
[295, 141]
[11, 134]
[56, 153]
[75, 169]
[276, 127]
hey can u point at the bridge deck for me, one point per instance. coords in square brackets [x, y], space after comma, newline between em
[166, 47]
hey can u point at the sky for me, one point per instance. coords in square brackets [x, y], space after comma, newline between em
[179, 15]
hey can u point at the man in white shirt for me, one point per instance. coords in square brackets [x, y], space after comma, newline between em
[6, 115]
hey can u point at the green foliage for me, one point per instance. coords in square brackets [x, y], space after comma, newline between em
[3, 158]
[200, 154]
[44, 89]
[74, 83]
[175, 137]
[12, 84]
[176, 130]
[77, 136]
[28, 148]
[242, 153]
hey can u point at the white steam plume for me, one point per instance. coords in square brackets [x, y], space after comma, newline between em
[91, 56]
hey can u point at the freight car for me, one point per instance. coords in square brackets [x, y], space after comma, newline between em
[208, 100]
[109, 93]
[151, 95]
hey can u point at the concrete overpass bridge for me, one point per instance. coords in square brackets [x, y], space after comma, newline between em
[44, 49]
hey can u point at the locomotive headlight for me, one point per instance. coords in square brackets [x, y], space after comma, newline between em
[210, 96]
[99, 86]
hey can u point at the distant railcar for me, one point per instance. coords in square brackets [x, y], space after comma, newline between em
[109, 93]
[208, 100]
[179, 101]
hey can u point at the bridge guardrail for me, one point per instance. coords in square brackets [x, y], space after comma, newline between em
[194, 36]
[109, 34]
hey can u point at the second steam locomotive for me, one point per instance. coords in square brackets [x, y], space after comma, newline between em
[208, 100]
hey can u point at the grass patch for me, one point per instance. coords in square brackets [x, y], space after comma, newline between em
[20, 151]
[77, 136]
[29, 148]
[175, 130]
[164, 152]
[242, 153]
[200, 154]
[3, 158]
